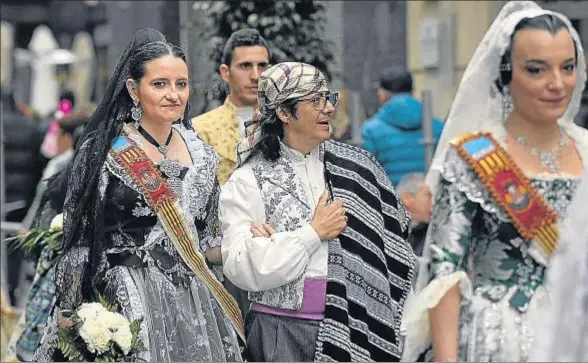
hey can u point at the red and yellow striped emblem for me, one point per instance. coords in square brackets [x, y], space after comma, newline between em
[534, 219]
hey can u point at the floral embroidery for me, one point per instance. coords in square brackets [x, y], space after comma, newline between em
[219, 129]
[141, 210]
[471, 233]
[286, 209]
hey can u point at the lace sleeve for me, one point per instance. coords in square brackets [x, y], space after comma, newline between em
[210, 235]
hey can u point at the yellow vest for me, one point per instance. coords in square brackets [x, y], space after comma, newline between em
[220, 129]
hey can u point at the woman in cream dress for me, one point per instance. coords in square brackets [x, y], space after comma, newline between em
[481, 289]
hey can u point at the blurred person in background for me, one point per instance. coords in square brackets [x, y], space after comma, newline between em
[51, 193]
[23, 165]
[68, 127]
[28, 331]
[340, 121]
[416, 197]
[394, 135]
[246, 55]
[50, 128]
[508, 163]
[50, 198]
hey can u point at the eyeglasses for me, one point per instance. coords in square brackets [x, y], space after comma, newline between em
[320, 102]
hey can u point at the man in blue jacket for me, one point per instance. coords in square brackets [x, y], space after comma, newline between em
[394, 135]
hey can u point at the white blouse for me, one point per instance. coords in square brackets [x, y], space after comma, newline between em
[260, 263]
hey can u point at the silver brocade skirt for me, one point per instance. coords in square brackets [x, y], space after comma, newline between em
[180, 323]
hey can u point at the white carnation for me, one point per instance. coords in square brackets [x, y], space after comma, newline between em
[123, 338]
[120, 328]
[100, 327]
[96, 335]
[91, 311]
[57, 223]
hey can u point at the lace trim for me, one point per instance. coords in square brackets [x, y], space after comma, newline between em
[118, 172]
[550, 177]
[210, 242]
[460, 174]
[578, 134]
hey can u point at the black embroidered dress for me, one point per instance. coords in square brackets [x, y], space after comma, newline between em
[143, 272]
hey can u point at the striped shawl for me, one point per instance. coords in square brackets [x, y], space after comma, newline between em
[371, 265]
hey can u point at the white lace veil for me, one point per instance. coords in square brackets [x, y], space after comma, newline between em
[562, 333]
[477, 105]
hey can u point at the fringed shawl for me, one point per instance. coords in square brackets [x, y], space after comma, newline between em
[371, 265]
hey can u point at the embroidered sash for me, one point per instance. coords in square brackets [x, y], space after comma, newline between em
[163, 201]
[533, 218]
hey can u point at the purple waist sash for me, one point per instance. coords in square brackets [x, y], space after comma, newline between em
[313, 302]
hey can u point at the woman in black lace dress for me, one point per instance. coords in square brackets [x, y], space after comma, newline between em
[120, 242]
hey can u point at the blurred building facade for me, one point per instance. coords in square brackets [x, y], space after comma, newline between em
[443, 35]
[109, 23]
[434, 39]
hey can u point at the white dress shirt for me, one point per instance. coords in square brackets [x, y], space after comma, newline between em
[243, 115]
[260, 263]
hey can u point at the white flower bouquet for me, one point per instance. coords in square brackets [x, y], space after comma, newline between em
[40, 238]
[95, 332]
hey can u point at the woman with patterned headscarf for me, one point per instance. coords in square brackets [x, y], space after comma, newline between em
[508, 163]
[140, 217]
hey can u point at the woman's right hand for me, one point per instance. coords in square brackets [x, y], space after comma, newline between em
[329, 220]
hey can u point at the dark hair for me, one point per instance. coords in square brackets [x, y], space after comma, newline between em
[85, 227]
[243, 38]
[396, 80]
[70, 123]
[547, 22]
[272, 130]
[147, 53]
[67, 94]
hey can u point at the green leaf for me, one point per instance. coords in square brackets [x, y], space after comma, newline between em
[136, 343]
[37, 238]
[104, 358]
[108, 305]
[67, 346]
